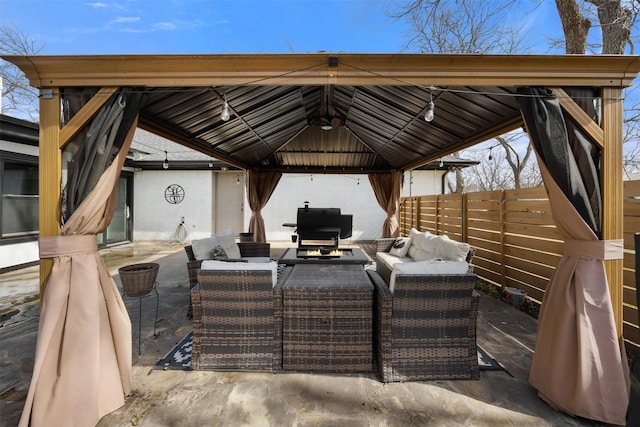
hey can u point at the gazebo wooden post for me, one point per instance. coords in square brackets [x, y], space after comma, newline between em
[612, 193]
[49, 173]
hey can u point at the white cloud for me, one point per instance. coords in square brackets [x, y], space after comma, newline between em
[125, 19]
[165, 26]
[96, 4]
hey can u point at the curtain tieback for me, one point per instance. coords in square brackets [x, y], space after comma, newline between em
[595, 249]
[51, 247]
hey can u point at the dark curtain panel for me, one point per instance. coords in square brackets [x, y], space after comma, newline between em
[260, 186]
[574, 164]
[100, 144]
[578, 366]
[387, 187]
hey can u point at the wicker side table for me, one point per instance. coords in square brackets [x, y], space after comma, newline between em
[327, 319]
[139, 280]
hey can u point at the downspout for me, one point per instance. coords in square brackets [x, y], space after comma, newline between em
[444, 175]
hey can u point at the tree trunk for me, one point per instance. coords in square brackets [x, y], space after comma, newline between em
[574, 25]
[617, 21]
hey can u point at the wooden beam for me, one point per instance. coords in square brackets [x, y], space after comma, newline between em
[612, 193]
[581, 118]
[314, 69]
[82, 117]
[50, 176]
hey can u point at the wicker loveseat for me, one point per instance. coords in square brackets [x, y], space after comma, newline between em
[237, 317]
[425, 324]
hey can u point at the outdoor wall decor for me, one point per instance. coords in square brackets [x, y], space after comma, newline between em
[174, 194]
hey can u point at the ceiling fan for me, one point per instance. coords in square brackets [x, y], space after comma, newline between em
[329, 120]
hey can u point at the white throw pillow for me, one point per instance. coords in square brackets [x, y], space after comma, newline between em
[416, 240]
[427, 248]
[416, 237]
[228, 242]
[430, 267]
[202, 248]
[243, 266]
[400, 247]
[451, 250]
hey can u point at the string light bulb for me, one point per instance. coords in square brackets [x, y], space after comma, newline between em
[237, 179]
[490, 153]
[210, 163]
[165, 164]
[441, 163]
[225, 115]
[429, 115]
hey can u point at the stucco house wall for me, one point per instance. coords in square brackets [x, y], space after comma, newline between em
[156, 219]
[351, 193]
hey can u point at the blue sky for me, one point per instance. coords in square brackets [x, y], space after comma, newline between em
[232, 26]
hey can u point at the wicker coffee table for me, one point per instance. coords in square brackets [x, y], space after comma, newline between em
[327, 319]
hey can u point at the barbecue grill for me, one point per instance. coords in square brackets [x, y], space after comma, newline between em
[322, 228]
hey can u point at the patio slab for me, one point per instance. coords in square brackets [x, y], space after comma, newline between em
[205, 398]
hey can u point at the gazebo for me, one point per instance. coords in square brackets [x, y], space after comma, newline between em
[380, 114]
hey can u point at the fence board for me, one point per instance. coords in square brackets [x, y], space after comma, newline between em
[544, 264]
[533, 230]
[631, 188]
[629, 296]
[526, 193]
[484, 225]
[532, 242]
[483, 236]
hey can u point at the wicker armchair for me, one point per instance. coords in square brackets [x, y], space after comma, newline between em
[426, 330]
[247, 249]
[237, 320]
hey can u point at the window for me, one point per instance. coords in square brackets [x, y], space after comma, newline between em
[19, 204]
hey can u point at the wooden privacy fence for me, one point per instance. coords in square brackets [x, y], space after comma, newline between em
[517, 244]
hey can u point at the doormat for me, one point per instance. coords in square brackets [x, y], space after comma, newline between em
[179, 357]
[486, 362]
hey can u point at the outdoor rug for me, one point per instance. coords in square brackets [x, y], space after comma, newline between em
[179, 357]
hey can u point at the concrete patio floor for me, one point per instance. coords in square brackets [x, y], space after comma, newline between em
[206, 398]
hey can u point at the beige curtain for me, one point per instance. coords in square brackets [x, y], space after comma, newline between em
[82, 367]
[260, 186]
[387, 188]
[579, 366]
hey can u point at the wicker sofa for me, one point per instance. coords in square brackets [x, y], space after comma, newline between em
[424, 324]
[237, 317]
[385, 259]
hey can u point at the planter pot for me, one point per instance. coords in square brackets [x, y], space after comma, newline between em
[138, 279]
[515, 297]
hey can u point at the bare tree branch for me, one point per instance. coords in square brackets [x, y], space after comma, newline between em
[18, 97]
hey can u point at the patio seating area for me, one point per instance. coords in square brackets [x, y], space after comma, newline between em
[230, 398]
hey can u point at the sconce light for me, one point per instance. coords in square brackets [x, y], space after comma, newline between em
[430, 113]
[224, 115]
[165, 164]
